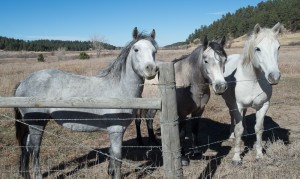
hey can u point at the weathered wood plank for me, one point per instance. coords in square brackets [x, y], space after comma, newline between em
[169, 122]
[81, 102]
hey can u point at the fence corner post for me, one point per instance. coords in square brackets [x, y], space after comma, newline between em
[169, 122]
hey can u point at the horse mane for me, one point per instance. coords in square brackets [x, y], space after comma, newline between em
[115, 67]
[196, 51]
[253, 39]
[214, 45]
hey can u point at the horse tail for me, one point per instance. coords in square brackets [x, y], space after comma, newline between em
[21, 129]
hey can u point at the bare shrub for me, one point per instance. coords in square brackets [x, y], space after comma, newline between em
[60, 53]
[98, 44]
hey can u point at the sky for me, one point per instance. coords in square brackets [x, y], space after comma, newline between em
[111, 20]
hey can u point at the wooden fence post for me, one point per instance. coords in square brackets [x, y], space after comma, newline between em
[169, 122]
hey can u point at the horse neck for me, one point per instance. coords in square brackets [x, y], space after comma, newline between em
[130, 82]
[193, 70]
[248, 69]
[197, 68]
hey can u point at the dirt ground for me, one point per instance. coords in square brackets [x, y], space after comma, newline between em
[67, 154]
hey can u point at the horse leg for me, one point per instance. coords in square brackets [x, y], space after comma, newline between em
[260, 115]
[195, 129]
[238, 131]
[138, 132]
[232, 126]
[182, 124]
[116, 139]
[22, 135]
[150, 117]
[245, 123]
[35, 139]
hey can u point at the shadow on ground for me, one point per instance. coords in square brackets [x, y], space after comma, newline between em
[149, 157]
[212, 135]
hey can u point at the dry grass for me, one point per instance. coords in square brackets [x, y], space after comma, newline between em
[63, 158]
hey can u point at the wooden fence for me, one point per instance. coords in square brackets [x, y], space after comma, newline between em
[167, 104]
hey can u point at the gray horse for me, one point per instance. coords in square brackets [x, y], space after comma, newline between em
[122, 79]
[193, 74]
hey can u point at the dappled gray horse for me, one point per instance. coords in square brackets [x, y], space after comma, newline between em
[122, 79]
[193, 74]
[250, 77]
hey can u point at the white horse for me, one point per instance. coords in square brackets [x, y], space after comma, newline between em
[250, 77]
[122, 79]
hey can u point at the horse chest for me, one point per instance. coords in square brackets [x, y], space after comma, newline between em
[190, 100]
[253, 95]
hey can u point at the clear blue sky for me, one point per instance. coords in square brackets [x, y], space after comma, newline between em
[112, 20]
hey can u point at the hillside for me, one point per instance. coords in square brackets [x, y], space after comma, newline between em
[244, 19]
[285, 39]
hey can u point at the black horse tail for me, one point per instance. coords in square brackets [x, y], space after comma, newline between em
[21, 129]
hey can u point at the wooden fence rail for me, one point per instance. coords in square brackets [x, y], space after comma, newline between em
[81, 102]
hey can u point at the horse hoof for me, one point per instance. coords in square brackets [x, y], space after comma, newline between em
[185, 161]
[110, 170]
[236, 162]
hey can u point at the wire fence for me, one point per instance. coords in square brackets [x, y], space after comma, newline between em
[144, 169]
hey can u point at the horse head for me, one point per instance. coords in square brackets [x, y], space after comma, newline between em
[213, 63]
[142, 54]
[265, 50]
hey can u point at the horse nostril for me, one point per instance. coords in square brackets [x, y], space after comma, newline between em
[149, 67]
[274, 77]
[221, 88]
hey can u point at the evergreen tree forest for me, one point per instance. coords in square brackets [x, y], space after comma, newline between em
[267, 14]
[10, 44]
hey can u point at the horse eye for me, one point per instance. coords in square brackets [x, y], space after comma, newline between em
[136, 50]
[278, 47]
[257, 49]
[205, 61]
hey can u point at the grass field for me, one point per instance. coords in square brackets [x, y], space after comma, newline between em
[77, 154]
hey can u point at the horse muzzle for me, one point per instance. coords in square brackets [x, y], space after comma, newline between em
[274, 77]
[220, 88]
[150, 71]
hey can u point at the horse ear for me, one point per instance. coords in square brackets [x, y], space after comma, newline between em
[153, 34]
[223, 41]
[257, 29]
[135, 33]
[278, 28]
[205, 41]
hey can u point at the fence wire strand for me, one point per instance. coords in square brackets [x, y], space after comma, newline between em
[144, 169]
[84, 146]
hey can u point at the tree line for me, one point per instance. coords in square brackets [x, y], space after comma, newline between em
[11, 44]
[241, 22]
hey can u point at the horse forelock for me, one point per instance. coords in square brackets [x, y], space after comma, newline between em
[253, 40]
[119, 63]
[218, 48]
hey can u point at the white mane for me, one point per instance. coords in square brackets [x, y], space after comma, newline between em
[254, 39]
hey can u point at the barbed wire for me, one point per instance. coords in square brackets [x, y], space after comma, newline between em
[143, 169]
[179, 86]
[83, 146]
[151, 147]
